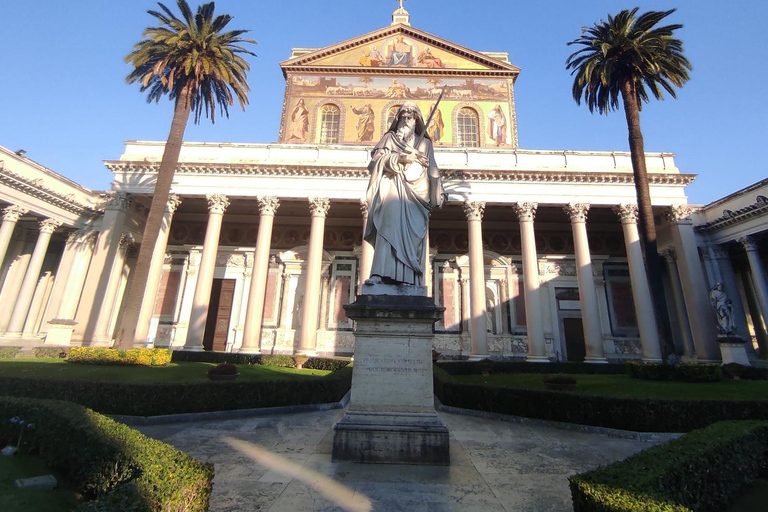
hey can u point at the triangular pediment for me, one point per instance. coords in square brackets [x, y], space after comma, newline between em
[399, 48]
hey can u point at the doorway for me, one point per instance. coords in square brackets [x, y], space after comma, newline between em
[219, 314]
[573, 330]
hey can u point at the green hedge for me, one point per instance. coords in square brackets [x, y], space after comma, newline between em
[49, 352]
[702, 471]
[9, 352]
[639, 415]
[314, 363]
[142, 399]
[472, 368]
[117, 466]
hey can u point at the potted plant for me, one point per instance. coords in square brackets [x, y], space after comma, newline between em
[485, 366]
[735, 370]
[300, 361]
[559, 382]
[223, 371]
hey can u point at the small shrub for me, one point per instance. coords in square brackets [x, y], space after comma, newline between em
[558, 379]
[283, 361]
[9, 352]
[324, 363]
[48, 352]
[223, 369]
[754, 373]
[698, 372]
[136, 356]
[650, 371]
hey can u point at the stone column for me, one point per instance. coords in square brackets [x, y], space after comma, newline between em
[590, 315]
[11, 216]
[701, 317]
[478, 334]
[105, 253]
[155, 273]
[255, 309]
[759, 283]
[24, 298]
[366, 258]
[531, 290]
[102, 331]
[217, 205]
[641, 292]
[677, 294]
[319, 207]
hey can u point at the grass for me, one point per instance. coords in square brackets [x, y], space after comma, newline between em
[625, 387]
[174, 372]
[30, 500]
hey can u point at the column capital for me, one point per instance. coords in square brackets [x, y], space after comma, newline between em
[118, 201]
[364, 206]
[81, 236]
[526, 212]
[13, 213]
[748, 243]
[268, 205]
[217, 203]
[126, 240]
[319, 206]
[577, 212]
[680, 213]
[474, 210]
[669, 254]
[173, 203]
[627, 213]
[718, 252]
[49, 225]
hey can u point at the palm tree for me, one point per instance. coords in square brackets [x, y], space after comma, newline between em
[199, 66]
[627, 56]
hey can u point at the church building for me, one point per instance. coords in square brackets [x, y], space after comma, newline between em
[535, 255]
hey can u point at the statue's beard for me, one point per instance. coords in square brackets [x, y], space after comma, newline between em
[406, 132]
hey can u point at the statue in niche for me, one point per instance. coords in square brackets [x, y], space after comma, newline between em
[723, 308]
[404, 187]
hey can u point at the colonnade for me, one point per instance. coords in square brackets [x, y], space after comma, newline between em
[92, 267]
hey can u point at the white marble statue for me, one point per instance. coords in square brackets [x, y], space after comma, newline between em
[723, 308]
[404, 186]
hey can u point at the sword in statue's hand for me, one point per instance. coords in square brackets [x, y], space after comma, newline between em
[429, 120]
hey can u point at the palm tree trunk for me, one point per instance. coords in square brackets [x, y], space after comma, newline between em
[646, 224]
[126, 333]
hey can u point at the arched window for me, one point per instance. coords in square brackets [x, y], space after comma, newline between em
[467, 124]
[329, 124]
[391, 115]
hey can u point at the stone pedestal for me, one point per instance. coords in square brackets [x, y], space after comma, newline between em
[732, 350]
[60, 332]
[391, 417]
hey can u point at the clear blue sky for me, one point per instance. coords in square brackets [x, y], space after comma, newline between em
[66, 102]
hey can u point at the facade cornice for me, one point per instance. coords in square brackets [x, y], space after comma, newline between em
[38, 190]
[444, 73]
[451, 174]
[732, 218]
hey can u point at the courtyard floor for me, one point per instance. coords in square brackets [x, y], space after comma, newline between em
[282, 462]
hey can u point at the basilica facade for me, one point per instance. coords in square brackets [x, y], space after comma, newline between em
[534, 256]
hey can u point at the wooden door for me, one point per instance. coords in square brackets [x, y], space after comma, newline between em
[219, 315]
[573, 329]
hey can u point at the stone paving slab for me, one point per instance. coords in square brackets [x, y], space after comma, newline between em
[282, 462]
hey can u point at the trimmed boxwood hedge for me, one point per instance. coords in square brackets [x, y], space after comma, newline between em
[142, 399]
[687, 372]
[639, 415]
[472, 368]
[120, 468]
[702, 471]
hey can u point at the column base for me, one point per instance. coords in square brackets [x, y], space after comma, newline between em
[391, 438]
[196, 348]
[596, 360]
[12, 335]
[307, 353]
[255, 351]
[652, 360]
[537, 359]
[478, 357]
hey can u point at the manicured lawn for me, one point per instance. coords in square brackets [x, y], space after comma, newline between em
[624, 386]
[174, 372]
[30, 500]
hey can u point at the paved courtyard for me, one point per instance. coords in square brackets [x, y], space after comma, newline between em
[282, 462]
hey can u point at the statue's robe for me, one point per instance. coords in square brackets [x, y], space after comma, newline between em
[399, 202]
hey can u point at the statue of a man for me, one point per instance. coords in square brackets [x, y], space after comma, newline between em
[723, 308]
[404, 187]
